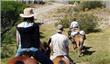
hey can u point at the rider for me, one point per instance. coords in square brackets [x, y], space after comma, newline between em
[74, 28]
[28, 37]
[59, 44]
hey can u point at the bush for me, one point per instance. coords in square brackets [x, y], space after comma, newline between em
[72, 2]
[65, 21]
[10, 11]
[8, 39]
[90, 5]
[88, 22]
[7, 50]
[67, 17]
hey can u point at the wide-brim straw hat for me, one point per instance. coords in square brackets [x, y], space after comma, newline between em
[28, 12]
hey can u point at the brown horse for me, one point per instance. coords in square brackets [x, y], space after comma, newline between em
[25, 59]
[78, 41]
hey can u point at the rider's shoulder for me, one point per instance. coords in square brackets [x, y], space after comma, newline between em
[64, 36]
[74, 22]
[24, 24]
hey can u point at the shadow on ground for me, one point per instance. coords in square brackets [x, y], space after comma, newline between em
[94, 31]
[86, 51]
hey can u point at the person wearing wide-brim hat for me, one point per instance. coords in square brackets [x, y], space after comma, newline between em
[28, 37]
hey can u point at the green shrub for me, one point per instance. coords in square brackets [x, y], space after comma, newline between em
[69, 14]
[86, 5]
[9, 38]
[88, 22]
[10, 11]
[65, 21]
[7, 50]
[73, 1]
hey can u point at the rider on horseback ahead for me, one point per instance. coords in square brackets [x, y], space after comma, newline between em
[28, 37]
[59, 44]
[74, 29]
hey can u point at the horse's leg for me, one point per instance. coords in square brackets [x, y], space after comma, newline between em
[74, 45]
[78, 48]
[81, 42]
[81, 45]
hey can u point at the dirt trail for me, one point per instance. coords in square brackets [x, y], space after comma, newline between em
[41, 12]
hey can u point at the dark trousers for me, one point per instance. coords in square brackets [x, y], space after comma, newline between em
[42, 58]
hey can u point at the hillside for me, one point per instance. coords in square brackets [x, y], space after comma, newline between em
[97, 44]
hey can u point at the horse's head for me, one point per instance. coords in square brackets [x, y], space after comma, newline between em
[22, 60]
[61, 60]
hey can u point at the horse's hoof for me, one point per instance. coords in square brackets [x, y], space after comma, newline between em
[79, 55]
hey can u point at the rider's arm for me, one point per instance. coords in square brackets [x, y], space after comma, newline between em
[49, 41]
[50, 45]
[66, 45]
[17, 37]
[71, 26]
